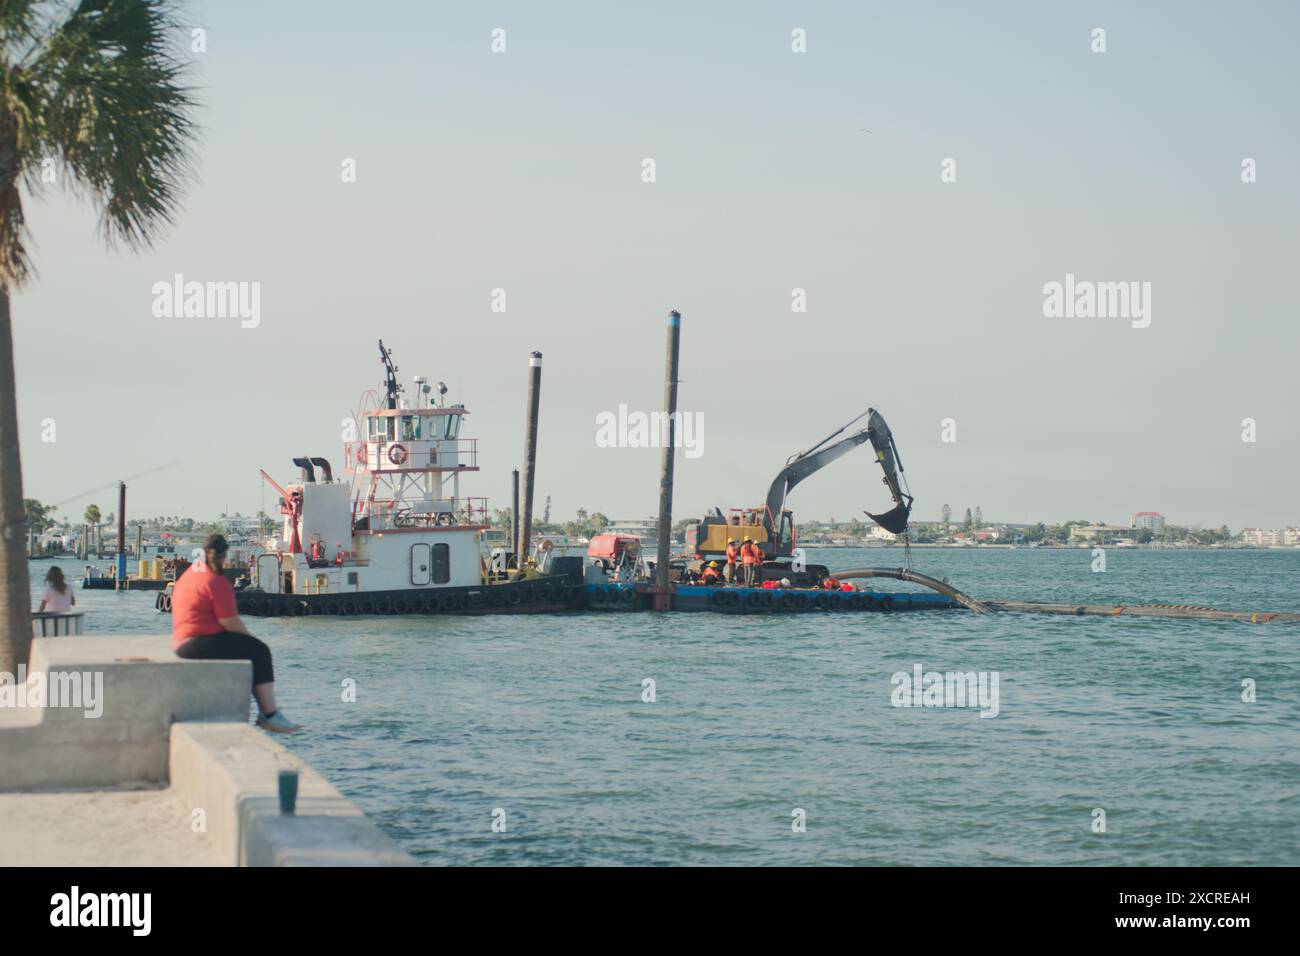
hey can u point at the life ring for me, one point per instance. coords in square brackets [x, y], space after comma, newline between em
[361, 453]
[397, 454]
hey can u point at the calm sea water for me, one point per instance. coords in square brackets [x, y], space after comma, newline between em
[543, 718]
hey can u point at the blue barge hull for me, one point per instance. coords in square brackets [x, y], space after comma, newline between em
[738, 600]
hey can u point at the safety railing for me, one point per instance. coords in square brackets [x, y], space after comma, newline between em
[56, 623]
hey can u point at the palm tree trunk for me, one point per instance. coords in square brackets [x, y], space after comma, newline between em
[15, 593]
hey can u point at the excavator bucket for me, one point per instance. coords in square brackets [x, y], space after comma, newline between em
[894, 520]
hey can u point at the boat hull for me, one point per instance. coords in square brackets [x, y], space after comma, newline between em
[741, 600]
[540, 595]
[545, 596]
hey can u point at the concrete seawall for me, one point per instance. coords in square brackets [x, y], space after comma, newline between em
[144, 719]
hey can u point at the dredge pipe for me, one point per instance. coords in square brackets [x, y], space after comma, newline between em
[916, 577]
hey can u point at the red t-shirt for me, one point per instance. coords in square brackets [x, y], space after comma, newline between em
[199, 598]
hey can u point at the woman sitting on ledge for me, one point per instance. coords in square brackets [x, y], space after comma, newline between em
[206, 626]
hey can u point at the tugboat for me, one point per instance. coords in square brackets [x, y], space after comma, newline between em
[398, 537]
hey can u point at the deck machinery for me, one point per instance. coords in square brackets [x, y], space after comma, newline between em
[772, 523]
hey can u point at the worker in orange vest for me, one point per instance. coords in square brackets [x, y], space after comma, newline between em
[729, 569]
[748, 561]
[710, 575]
[759, 558]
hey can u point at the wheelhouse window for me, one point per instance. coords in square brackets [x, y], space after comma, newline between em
[451, 426]
[380, 429]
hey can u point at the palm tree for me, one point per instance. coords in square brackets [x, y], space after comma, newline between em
[93, 517]
[91, 89]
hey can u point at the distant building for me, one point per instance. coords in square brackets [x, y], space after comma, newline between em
[1270, 537]
[1152, 521]
[644, 527]
[1100, 533]
[240, 525]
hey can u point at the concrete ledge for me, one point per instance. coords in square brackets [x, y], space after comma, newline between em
[231, 772]
[142, 687]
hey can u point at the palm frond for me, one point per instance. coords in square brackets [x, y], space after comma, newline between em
[19, 22]
[117, 113]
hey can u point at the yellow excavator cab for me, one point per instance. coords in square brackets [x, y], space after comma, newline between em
[712, 538]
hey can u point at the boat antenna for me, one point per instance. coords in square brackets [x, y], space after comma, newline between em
[391, 385]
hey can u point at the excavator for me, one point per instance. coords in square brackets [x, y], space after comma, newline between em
[772, 524]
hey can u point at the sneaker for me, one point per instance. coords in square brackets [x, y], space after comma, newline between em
[277, 723]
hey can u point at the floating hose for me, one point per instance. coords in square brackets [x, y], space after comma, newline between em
[916, 577]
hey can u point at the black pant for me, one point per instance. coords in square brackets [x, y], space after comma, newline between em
[229, 646]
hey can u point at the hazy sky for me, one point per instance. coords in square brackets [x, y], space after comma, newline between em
[522, 171]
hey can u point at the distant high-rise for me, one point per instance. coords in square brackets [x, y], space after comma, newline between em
[1151, 520]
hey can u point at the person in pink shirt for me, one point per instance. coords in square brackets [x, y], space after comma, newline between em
[206, 626]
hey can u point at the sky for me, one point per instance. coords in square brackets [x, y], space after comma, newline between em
[524, 171]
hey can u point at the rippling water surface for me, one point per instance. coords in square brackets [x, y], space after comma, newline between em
[542, 717]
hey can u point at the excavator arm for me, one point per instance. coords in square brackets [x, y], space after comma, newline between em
[809, 462]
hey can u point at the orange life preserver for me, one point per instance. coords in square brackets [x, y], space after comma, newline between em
[731, 554]
[747, 554]
[361, 453]
[397, 454]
